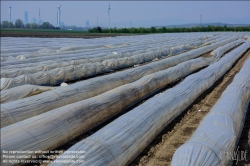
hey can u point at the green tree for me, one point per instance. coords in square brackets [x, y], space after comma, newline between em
[47, 25]
[19, 23]
[152, 29]
[27, 26]
[124, 30]
[133, 30]
[163, 30]
[225, 28]
[34, 26]
[91, 30]
[99, 29]
[10, 25]
[4, 24]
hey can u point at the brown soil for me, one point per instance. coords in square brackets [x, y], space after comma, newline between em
[161, 150]
[206, 55]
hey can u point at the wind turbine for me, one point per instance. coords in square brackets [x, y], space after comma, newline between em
[201, 17]
[109, 14]
[39, 17]
[10, 12]
[58, 15]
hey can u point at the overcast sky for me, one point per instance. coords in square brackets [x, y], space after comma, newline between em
[140, 13]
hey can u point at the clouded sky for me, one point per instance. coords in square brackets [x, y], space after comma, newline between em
[140, 13]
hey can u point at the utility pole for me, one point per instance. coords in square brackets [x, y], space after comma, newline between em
[109, 14]
[10, 12]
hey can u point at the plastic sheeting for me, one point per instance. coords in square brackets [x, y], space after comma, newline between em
[121, 140]
[72, 50]
[98, 64]
[16, 111]
[59, 75]
[25, 91]
[215, 139]
[81, 116]
[217, 53]
[22, 92]
[61, 57]
[158, 41]
[134, 57]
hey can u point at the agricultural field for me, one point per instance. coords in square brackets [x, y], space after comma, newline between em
[159, 99]
[47, 33]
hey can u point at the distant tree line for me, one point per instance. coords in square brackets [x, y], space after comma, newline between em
[169, 30]
[46, 25]
[19, 24]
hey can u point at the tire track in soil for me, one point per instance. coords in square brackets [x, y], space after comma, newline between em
[162, 148]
